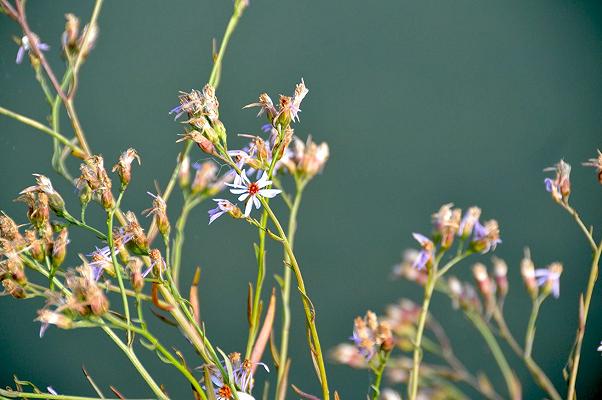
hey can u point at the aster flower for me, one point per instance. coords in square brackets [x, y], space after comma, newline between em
[549, 278]
[251, 191]
[242, 372]
[348, 354]
[27, 46]
[486, 237]
[223, 206]
[560, 186]
[100, 261]
[425, 255]
[596, 163]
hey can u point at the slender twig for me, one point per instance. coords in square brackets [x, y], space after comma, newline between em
[314, 340]
[37, 125]
[593, 275]
[511, 382]
[286, 290]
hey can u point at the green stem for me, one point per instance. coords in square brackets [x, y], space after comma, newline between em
[180, 236]
[13, 394]
[286, 289]
[378, 375]
[71, 219]
[530, 334]
[511, 382]
[135, 362]
[539, 376]
[157, 345]
[417, 358]
[35, 124]
[313, 338]
[124, 298]
[593, 275]
[586, 232]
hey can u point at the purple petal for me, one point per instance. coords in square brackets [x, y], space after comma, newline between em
[20, 55]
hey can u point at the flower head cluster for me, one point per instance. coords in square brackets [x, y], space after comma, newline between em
[560, 186]
[446, 223]
[306, 159]
[94, 178]
[28, 46]
[288, 107]
[370, 336]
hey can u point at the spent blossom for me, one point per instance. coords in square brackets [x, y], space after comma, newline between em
[446, 222]
[527, 271]
[159, 210]
[124, 165]
[560, 186]
[28, 46]
[549, 278]
[44, 185]
[469, 221]
[251, 191]
[306, 158]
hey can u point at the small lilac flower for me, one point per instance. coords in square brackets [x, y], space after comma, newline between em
[471, 218]
[267, 128]
[101, 260]
[486, 237]
[26, 46]
[426, 254]
[223, 206]
[550, 277]
[250, 191]
[560, 186]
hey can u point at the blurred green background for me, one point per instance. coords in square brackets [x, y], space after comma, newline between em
[422, 103]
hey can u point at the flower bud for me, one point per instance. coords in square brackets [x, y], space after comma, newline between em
[59, 248]
[184, 173]
[527, 270]
[501, 276]
[484, 283]
[8, 228]
[136, 278]
[14, 289]
[69, 38]
[36, 247]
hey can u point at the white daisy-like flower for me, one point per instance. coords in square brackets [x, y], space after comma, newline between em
[250, 191]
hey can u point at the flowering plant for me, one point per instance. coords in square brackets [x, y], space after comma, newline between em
[276, 165]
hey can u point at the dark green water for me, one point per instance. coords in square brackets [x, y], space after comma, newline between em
[422, 103]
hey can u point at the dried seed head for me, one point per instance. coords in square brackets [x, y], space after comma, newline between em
[88, 39]
[205, 174]
[139, 242]
[136, 278]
